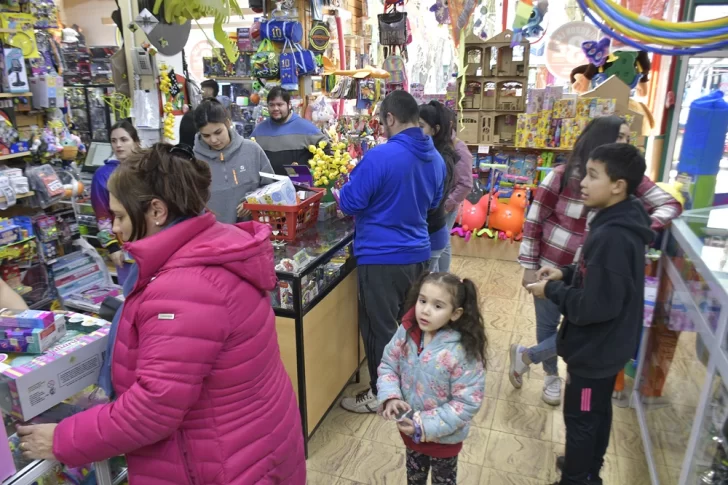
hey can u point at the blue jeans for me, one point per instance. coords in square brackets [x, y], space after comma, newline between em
[547, 324]
[435, 258]
[446, 256]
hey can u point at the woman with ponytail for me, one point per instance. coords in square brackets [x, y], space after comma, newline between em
[432, 375]
[194, 354]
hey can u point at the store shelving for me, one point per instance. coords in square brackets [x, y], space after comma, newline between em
[681, 388]
[14, 155]
[19, 196]
[15, 95]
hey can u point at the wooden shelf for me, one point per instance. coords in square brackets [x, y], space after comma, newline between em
[15, 95]
[513, 147]
[19, 196]
[234, 79]
[14, 155]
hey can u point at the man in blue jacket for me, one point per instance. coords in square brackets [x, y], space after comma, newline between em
[389, 194]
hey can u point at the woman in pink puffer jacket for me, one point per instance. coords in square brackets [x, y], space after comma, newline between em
[202, 395]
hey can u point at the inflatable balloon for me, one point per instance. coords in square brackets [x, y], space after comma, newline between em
[509, 218]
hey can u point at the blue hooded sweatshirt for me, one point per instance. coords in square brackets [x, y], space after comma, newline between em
[389, 194]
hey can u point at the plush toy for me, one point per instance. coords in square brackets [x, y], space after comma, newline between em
[509, 218]
[632, 67]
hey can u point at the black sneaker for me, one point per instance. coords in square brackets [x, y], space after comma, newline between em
[560, 460]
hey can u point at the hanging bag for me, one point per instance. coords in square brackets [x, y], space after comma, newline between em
[265, 61]
[305, 60]
[392, 28]
[288, 68]
[281, 31]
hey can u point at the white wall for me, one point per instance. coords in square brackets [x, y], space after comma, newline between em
[88, 15]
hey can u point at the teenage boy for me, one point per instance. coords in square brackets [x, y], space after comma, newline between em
[389, 193]
[602, 300]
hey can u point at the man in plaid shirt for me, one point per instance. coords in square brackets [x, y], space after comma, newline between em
[555, 227]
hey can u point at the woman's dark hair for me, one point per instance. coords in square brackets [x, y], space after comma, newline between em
[436, 115]
[169, 173]
[125, 125]
[600, 131]
[187, 129]
[470, 325]
[210, 111]
[212, 84]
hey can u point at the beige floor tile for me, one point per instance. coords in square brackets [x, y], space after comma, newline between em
[382, 431]
[498, 339]
[512, 281]
[525, 308]
[352, 424]
[627, 440]
[519, 455]
[493, 384]
[330, 452]
[529, 393]
[468, 474]
[609, 472]
[525, 325]
[484, 418]
[525, 339]
[558, 428]
[496, 360]
[509, 292]
[344, 481]
[475, 446]
[316, 478]
[499, 321]
[635, 472]
[673, 418]
[671, 445]
[475, 269]
[681, 392]
[376, 464]
[523, 420]
[495, 477]
[490, 304]
[624, 415]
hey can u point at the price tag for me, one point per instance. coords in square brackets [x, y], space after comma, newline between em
[483, 149]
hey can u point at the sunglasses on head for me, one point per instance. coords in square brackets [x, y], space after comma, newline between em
[183, 150]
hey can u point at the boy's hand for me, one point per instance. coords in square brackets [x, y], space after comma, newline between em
[529, 276]
[538, 289]
[393, 407]
[406, 426]
[550, 274]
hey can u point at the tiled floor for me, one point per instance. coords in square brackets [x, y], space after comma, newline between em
[515, 437]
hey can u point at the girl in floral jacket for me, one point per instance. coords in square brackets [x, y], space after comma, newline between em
[432, 375]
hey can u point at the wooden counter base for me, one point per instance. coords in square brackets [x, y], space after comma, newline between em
[330, 353]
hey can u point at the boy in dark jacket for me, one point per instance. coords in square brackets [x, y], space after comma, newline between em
[602, 306]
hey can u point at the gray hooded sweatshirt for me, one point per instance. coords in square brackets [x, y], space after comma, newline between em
[234, 175]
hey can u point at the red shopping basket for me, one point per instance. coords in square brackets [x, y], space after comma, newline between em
[289, 220]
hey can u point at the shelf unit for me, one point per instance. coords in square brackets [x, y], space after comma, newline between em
[16, 95]
[681, 384]
[14, 155]
[495, 81]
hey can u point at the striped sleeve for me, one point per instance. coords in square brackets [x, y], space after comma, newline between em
[661, 206]
[544, 203]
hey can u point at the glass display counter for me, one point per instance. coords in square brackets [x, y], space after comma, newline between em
[316, 306]
[681, 394]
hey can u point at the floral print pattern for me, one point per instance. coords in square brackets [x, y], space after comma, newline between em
[441, 383]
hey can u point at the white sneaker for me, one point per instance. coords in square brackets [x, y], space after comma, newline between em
[517, 367]
[552, 390]
[364, 402]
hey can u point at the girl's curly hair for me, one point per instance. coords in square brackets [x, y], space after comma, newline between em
[463, 295]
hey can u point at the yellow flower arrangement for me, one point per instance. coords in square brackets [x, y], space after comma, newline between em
[326, 169]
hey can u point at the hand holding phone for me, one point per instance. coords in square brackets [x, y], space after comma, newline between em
[394, 407]
[404, 414]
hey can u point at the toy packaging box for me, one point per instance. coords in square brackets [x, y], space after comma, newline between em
[26, 318]
[31, 385]
[281, 192]
[32, 340]
[15, 77]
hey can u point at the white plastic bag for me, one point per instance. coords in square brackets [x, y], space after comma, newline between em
[146, 109]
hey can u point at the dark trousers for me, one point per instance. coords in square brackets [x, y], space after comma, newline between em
[588, 418]
[444, 470]
[382, 293]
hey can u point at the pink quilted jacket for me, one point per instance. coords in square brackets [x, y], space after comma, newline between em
[203, 397]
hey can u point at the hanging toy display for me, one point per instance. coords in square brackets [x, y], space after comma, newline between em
[165, 86]
[655, 35]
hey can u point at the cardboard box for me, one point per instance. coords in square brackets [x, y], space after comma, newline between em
[30, 386]
[47, 91]
[26, 318]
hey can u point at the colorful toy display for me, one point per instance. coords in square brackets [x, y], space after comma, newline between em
[645, 33]
[509, 218]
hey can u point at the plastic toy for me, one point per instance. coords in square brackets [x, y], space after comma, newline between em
[644, 33]
[472, 217]
[508, 218]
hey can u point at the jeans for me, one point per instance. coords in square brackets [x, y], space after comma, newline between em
[444, 470]
[435, 257]
[548, 317]
[446, 256]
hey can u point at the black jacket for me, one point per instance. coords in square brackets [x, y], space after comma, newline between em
[604, 305]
